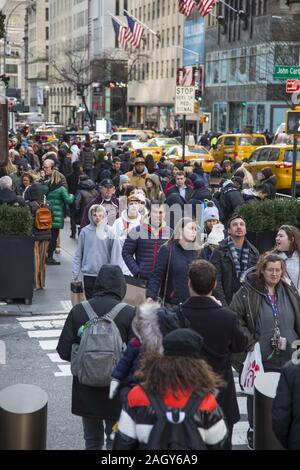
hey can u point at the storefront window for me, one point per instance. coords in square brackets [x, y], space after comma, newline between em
[250, 114]
[215, 118]
[215, 71]
[260, 117]
[222, 117]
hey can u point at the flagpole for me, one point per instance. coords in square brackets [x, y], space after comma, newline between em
[143, 24]
[116, 19]
[228, 6]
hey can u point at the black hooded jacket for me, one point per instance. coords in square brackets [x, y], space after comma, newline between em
[110, 288]
[7, 196]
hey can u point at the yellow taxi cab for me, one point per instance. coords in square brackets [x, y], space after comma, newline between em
[236, 146]
[46, 135]
[192, 155]
[279, 157]
[157, 146]
[149, 133]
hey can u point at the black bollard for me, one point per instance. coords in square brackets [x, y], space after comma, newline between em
[265, 387]
[23, 418]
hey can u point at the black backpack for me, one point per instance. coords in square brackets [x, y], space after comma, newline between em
[175, 428]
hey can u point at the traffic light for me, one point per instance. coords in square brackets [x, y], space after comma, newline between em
[80, 90]
[196, 107]
[198, 96]
[244, 104]
[2, 25]
[5, 79]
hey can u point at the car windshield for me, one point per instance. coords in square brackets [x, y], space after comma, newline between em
[164, 142]
[288, 156]
[126, 137]
[243, 141]
[198, 150]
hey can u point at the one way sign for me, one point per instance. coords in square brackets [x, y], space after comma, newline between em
[292, 86]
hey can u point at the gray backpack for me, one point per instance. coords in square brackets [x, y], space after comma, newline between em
[100, 348]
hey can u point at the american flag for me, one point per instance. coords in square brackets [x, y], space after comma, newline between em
[122, 33]
[205, 6]
[186, 6]
[137, 31]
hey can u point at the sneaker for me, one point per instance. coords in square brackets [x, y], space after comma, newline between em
[57, 251]
[250, 437]
[52, 262]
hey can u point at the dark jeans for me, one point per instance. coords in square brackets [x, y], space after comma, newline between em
[89, 282]
[72, 218]
[52, 244]
[93, 430]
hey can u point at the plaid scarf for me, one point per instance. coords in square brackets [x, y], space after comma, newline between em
[240, 264]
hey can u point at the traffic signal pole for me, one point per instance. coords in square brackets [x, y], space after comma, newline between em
[294, 169]
[183, 137]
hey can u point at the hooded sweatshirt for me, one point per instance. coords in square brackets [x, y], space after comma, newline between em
[93, 249]
[120, 229]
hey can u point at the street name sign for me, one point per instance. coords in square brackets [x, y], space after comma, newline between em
[292, 86]
[282, 72]
[184, 100]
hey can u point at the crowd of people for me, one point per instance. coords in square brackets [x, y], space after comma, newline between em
[209, 296]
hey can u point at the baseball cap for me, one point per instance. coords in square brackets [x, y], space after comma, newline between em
[107, 183]
[139, 160]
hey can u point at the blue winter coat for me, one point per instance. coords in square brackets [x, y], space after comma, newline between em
[141, 248]
[177, 283]
[128, 364]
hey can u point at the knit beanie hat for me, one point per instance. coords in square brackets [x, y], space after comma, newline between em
[183, 342]
[211, 213]
[216, 235]
[124, 179]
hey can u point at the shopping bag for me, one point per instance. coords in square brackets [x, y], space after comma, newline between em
[251, 369]
[136, 291]
[77, 293]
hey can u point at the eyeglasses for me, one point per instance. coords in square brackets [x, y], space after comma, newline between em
[273, 270]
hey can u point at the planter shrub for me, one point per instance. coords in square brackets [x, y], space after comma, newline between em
[270, 214]
[15, 220]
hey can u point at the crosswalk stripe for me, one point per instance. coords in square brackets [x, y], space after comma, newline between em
[44, 334]
[54, 357]
[65, 370]
[44, 324]
[42, 317]
[49, 345]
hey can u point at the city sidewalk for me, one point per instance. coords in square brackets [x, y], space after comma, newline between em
[55, 297]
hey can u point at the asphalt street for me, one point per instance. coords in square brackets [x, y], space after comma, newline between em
[30, 334]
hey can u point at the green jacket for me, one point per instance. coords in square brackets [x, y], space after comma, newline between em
[58, 197]
[246, 303]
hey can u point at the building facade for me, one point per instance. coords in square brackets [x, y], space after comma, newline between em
[151, 88]
[241, 54]
[37, 56]
[11, 64]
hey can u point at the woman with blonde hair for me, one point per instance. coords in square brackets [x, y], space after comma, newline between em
[57, 196]
[169, 281]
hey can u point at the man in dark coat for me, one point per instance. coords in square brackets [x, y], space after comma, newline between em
[7, 195]
[181, 188]
[286, 406]
[230, 199]
[220, 330]
[93, 403]
[234, 256]
[107, 199]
